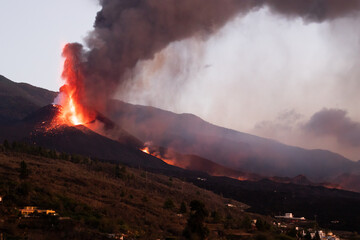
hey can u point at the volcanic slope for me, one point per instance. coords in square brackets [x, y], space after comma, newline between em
[37, 129]
[189, 134]
[17, 100]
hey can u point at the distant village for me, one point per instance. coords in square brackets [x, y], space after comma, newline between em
[300, 224]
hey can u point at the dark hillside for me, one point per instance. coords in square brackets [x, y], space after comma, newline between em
[271, 198]
[17, 100]
[96, 200]
[77, 140]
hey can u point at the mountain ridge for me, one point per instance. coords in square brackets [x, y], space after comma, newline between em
[240, 151]
[250, 157]
[25, 97]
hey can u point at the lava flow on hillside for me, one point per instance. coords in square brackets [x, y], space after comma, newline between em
[195, 163]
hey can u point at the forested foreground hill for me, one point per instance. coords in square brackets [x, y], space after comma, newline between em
[95, 199]
[101, 200]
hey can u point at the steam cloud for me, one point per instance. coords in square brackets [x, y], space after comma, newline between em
[127, 31]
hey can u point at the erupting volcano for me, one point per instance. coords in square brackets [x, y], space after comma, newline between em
[73, 110]
[129, 33]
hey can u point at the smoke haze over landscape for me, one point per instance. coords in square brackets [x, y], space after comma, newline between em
[260, 73]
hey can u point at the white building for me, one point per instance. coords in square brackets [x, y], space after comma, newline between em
[290, 216]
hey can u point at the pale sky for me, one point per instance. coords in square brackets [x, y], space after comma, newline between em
[33, 34]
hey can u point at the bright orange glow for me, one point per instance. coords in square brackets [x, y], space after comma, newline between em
[145, 150]
[70, 113]
[73, 111]
[74, 118]
[185, 164]
[241, 178]
[157, 155]
[172, 162]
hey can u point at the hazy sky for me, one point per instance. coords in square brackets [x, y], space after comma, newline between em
[264, 74]
[33, 33]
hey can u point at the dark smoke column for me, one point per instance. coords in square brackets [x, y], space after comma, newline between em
[127, 31]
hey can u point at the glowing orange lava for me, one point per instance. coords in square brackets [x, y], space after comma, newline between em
[145, 150]
[170, 161]
[73, 111]
[71, 114]
[185, 164]
[240, 178]
[74, 118]
[157, 155]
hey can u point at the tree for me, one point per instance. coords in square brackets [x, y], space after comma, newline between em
[168, 204]
[120, 172]
[24, 172]
[24, 189]
[216, 216]
[292, 232]
[183, 208]
[52, 154]
[308, 236]
[14, 146]
[195, 228]
[262, 225]
[117, 171]
[6, 144]
[246, 223]
[317, 236]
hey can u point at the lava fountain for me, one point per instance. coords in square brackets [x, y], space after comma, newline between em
[71, 97]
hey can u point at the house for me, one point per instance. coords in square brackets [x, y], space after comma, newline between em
[116, 236]
[290, 216]
[26, 211]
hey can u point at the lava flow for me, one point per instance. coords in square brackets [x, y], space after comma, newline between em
[169, 160]
[73, 111]
[157, 155]
[145, 150]
[194, 163]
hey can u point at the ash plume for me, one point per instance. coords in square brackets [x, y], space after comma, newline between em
[335, 123]
[127, 31]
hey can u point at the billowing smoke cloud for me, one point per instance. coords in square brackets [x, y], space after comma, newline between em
[130, 30]
[330, 128]
[335, 123]
[314, 10]
[127, 31]
[285, 121]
